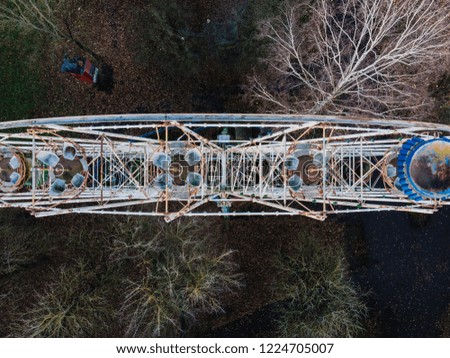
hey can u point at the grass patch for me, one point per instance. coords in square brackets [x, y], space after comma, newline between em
[71, 306]
[21, 72]
[316, 297]
[178, 274]
[83, 276]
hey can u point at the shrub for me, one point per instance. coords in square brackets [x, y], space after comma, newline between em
[178, 274]
[71, 306]
[316, 298]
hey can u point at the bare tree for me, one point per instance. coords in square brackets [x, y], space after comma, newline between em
[354, 56]
[38, 15]
[70, 306]
[315, 296]
[179, 275]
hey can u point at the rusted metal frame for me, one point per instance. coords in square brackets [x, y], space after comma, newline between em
[361, 168]
[373, 207]
[250, 177]
[260, 170]
[102, 163]
[266, 180]
[195, 135]
[284, 169]
[324, 167]
[166, 150]
[138, 186]
[208, 160]
[408, 131]
[313, 215]
[350, 166]
[389, 143]
[368, 156]
[339, 178]
[379, 176]
[108, 159]
[33, 172]
[335, 169]
[351, 169]
[237, 214]
[264, 143]
[158, 201]
[369, 192]
[243, 213]
[373, 147]
[54, 202]
[353, 166]
[299, 139]
[398, 208]
[93, 209]
[232, 169]
[190, 140]
[138, 171]
[269, 179]
[117, 169]
[203, 164]
[242, 172]
[221, 118]
[223, 170]
[277, 134]
[146, 166]
[238, 170]
[362, 176]
[296, 201]
[215, 168]
[122, 126]
[85, 130]
[339, 201]
[208, 163]
[235, 169]
[342, 167]
[107, 182]
[192, 214]
[16, 139]
[388, 199]
[187, 208]
[242, 125]
[333, 140]
[90, 154]
[45, 144]
[92, 175]
[120, 168]
[44, 205]
[254, 171]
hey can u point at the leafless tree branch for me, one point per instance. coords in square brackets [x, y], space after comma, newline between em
[37, 15]
[354, 56]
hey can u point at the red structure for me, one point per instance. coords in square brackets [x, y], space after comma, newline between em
[90, 73]
[80, 68]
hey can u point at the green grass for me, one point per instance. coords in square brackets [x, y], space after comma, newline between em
[22, 90]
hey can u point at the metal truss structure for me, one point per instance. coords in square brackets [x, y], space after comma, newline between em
[202, 165]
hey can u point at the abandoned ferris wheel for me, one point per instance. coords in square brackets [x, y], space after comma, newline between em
[223, 165]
